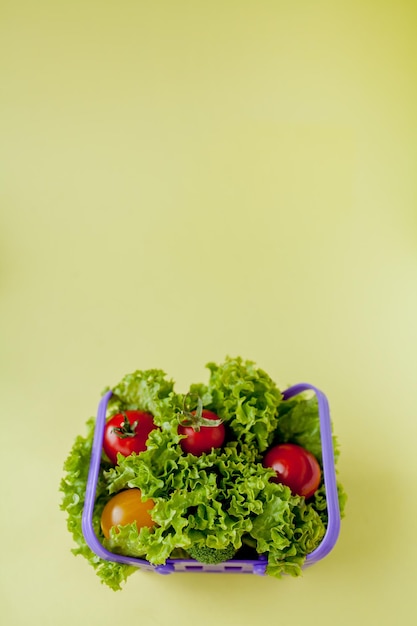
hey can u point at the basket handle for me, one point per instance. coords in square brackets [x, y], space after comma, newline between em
[329, 473]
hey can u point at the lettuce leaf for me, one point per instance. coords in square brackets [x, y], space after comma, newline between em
[245, 397]
[147, 390]
[287, 530]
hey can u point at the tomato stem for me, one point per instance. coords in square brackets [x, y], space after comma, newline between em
[195, 419]
[126, 429]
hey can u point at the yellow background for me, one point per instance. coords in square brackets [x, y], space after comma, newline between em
[186, 180]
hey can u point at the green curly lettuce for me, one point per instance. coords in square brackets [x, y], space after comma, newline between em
[287, 530]
[245, 397]
[147, 390]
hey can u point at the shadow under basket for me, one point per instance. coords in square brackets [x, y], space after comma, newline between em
[235, 566]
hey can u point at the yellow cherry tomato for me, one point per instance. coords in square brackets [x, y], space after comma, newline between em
[124, 508]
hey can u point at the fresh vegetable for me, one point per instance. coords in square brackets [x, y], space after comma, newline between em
[127, 432]
[246, 398]
[295, 467]
[220, 499]
[124, 508]
[203, 554]
[202, 430]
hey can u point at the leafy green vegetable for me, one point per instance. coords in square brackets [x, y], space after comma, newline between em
[288, 529]
[220, 501]
[246, 398]
[147, 390]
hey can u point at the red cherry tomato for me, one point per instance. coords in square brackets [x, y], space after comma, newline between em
[124, 508]
[295, 467]
[127, 432]
[203, 440]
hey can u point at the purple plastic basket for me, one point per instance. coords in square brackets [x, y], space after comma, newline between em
[236, 566]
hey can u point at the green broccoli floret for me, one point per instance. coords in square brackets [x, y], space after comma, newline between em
[204, 554]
